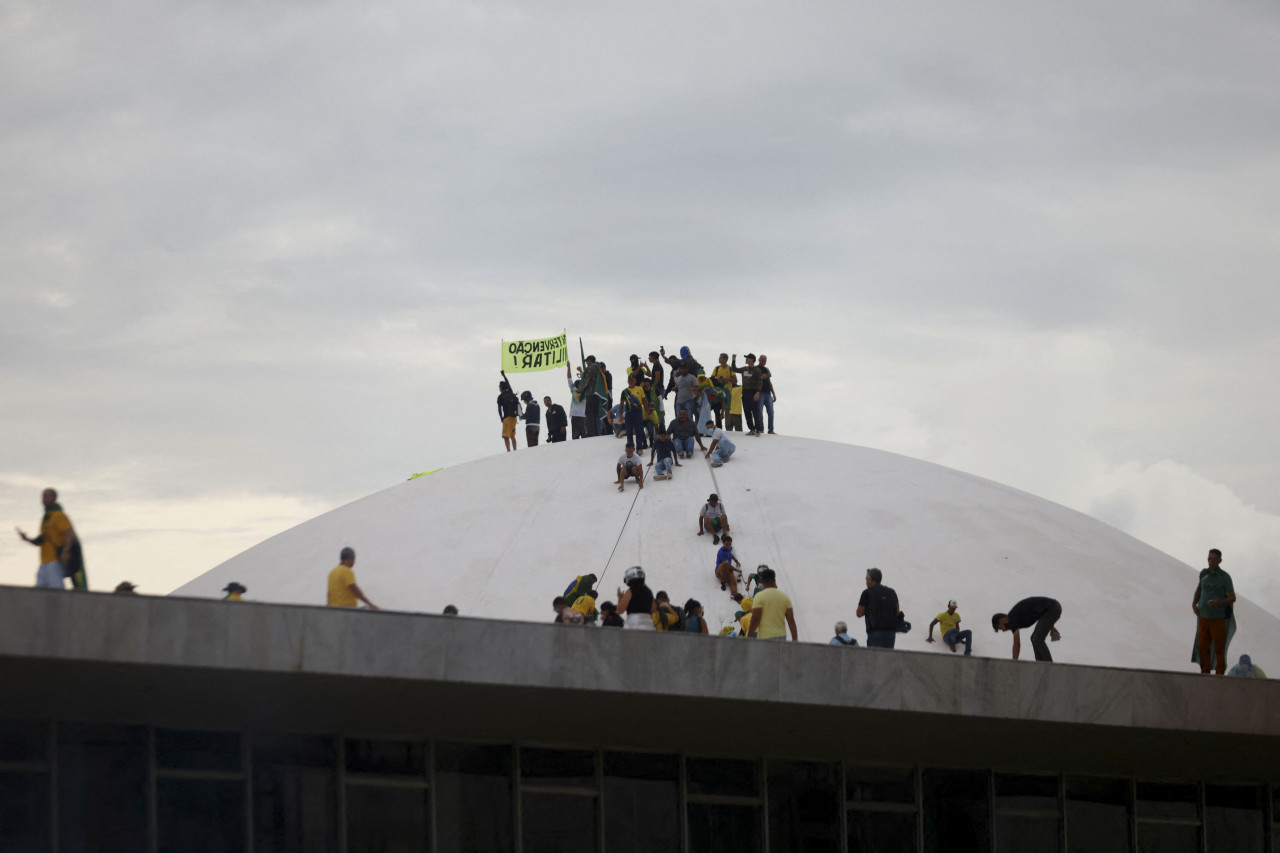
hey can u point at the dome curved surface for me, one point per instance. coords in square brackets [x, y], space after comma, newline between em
[501, 536]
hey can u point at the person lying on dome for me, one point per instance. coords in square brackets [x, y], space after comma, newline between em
[609, 617]
[630, 464]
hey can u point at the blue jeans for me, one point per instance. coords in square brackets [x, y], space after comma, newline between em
[683, 445]
[767, 401]
[881, 639]
[955, 636]
[635, 429]
[663, 466]
[690, 406]
[723, 451]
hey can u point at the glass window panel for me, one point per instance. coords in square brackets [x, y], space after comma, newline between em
[880, 784]
[553, 823]
[956, 816]
[23, 741]
[200, 815]
[804, 806]
[474, 801]
[724, 829]
[197, 750]
[642, 802]
[1161, 800]
[576, 767]
[24, 812]
[1098, 815]
[1168, 838]
[1017, 834]
[294, 750]
[881, 832]
[102, 788]
[1233, 818]
[382, 819]
[295, 809]
[1027, 792]
[386, 757]
[724, 776]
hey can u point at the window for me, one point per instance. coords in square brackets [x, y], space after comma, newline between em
[24, 811]
[295, 801]
[1168, 818]
[641, 802]
[102, 788]
[804, 806]
[387, 802]
[724, 807]
[474, 798]
[1027, 816]
[1099, 812]
[200, 792]
[558, 795]
[1234, 818]
[956, 817]
[881, 809]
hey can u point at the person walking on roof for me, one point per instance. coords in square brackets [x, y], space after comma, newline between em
[60, 554]
[1039, 611]
[949, 619]
[343, 590]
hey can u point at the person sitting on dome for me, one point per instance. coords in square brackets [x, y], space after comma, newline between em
[713, 519]
[1246, 669]
[721, 447]
[664, 451]
[532, 417]
[630, 464]
[725, 571]
[609, 617]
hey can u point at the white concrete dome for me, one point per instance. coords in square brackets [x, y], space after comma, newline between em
[501, 536]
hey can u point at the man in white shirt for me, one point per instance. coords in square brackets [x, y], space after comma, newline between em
[630, 464]
[721, 447]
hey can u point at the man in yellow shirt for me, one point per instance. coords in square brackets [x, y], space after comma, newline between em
[60, 555]
[771, 613]
[343, 591]
[951, 633]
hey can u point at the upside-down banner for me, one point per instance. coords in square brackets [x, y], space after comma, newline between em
[528, 356]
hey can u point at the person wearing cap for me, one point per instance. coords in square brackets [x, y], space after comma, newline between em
[126, 588]
[631, 410]
[1039, 611]
[1246, 669]
[721, 447]
[879, 607]
[713, 519]
[842, 637]
[949, 619]
[637, 368]
[532, 417]
[752, 377]
[630, 464]
[771, 613]
[508, 411]
[234, 591]
[343, 590]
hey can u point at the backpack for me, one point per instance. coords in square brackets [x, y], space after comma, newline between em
[852, 642]
[882, 608]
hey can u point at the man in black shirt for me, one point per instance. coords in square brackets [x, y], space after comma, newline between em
[1041, 612]
[879, 606]
[557, 421]
[508, 411]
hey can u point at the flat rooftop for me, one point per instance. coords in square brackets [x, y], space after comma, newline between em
[198, 663]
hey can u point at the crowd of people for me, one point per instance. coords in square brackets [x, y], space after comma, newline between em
[721, 400]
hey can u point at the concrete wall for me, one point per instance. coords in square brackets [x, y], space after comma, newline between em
[200, 663]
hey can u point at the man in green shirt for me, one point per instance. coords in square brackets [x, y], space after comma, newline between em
[1212, 605]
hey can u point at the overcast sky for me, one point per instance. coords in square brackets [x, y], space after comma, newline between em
[256, 258]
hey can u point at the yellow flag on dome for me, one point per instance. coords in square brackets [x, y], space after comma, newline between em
[541, 354]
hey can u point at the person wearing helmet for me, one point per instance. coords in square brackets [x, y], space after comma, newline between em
[532, 417]
[637, 601]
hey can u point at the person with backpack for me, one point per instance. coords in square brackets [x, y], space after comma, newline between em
[879, 606]
[949, 620]
[842, 637]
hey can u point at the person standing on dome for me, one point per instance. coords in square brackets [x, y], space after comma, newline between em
[557, 423]
[343, 590]
[951, 633]
[577, 406]
[771, 613]
[637, 601]
[532, 416]
[658, 374]
[751, 379]
[766, 394]
[1039, 611]
[879, 606]
[1215, 622]
[508, 411]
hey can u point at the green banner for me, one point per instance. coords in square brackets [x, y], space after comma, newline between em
[528, 356]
